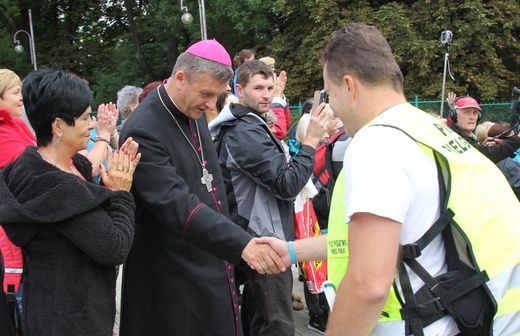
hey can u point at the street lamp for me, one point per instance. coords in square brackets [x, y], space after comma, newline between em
[19, 48]
[187, 18]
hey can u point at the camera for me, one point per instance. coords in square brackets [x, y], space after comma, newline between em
[319, 97]
[446, 37]
[515, 121]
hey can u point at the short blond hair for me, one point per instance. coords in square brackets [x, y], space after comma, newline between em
[8, 80]
[481, 132]
[302, 126]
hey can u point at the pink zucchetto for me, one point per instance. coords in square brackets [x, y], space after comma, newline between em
[210, 50]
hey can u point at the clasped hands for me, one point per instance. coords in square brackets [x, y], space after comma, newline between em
[121, 166]
[106, 120]
[267, 255]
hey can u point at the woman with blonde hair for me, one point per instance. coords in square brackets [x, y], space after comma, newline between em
[481, 132]
[15, 136]
[14, 133]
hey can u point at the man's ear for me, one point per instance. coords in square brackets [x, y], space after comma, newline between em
[239, 90]
[350, 86]
[180, 78]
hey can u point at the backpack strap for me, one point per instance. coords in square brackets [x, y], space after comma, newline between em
[418, 316]
[14, 310]
[423, 314]
[413, 323]
[327, 165]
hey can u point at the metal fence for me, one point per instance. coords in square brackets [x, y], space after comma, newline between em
[490, 111]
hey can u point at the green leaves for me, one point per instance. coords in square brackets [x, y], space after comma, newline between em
[94, 39]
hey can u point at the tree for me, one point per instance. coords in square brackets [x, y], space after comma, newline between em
[113, 43]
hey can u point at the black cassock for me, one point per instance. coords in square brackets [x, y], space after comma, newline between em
[177, 279]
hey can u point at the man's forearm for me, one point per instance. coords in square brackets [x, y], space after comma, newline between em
[311, 249]
[356, 309]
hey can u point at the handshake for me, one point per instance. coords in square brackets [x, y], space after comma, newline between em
[267, 255]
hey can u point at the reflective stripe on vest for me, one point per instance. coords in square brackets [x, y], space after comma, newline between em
[485, 209]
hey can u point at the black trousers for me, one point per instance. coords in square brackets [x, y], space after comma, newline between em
[267, 304]
[316, 303]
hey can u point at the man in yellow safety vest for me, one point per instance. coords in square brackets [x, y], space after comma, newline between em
[425, 211]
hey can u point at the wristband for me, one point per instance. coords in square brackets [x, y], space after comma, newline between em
[291, 252]
[113, 136]
[98, 138]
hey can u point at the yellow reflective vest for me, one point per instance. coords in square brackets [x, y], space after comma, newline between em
[485, 209]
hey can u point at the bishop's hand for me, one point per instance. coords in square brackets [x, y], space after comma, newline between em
[262, 258]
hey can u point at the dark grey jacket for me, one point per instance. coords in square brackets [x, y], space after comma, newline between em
[260, 184]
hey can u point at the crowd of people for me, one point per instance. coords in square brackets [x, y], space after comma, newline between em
[153, 226]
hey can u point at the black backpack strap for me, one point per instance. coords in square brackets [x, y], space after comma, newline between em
[14, 310]
[413, 251]
[413, 323]
[415, 314]
[461, 284]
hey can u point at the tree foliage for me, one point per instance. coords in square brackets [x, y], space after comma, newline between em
[113, 43]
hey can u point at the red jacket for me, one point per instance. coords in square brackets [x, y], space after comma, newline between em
[283, 117]
[15, 136]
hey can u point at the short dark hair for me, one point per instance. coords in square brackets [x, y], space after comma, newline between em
[307, 106]
[499, 128]
[52, 93]
[221, 101]
[360, 49]
[251, 68]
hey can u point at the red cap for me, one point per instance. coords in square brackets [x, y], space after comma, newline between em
[465, 102]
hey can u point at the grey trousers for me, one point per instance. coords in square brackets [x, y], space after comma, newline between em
[269, 304]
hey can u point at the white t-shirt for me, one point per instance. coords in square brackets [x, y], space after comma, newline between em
[387, 174]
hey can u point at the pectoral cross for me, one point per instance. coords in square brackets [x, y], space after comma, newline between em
[206, 178]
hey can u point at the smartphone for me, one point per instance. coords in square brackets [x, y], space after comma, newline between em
[324, 97]
[319, 97]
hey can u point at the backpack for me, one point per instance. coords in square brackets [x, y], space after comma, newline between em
[324, 178]
[460, 292]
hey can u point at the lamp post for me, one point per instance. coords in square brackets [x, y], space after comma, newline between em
[19, 48]
[187, 18]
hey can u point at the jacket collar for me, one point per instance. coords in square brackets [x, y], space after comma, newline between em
[5, 116]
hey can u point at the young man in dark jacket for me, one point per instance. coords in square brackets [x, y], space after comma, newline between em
[261, 186]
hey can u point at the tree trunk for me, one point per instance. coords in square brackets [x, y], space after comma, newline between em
[135, 38]
[172, 49]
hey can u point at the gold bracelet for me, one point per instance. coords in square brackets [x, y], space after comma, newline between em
[98, 138]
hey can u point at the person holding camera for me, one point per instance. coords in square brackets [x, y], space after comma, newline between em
[465, 113]
[261, 187]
